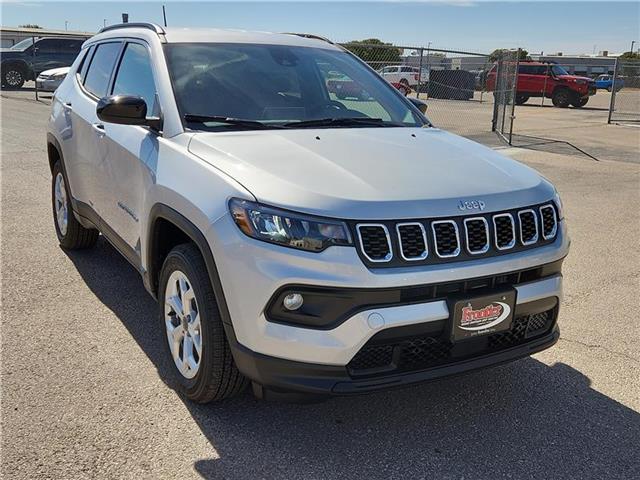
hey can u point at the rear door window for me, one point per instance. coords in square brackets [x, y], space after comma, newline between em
[99, 72]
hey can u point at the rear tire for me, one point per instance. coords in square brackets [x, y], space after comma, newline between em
[71, 234]
[404, 82]
[561, 98]
[189, 316]
[609, 89]
[13, 77]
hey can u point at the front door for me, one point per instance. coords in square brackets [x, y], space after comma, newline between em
[130, 152]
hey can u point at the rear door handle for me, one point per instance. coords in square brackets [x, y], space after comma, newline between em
[99, 128]
[67, 106]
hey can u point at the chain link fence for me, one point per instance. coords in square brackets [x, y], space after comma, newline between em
[454, 83]
[625, 98]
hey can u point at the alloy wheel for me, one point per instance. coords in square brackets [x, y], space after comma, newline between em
[182, 322]
[13, 78]
[62, 212]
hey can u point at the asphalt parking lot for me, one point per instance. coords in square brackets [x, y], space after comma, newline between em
[83, 394]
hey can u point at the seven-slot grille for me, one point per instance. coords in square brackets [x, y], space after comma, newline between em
[459, 238]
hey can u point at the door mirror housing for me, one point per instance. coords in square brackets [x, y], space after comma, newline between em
[422, 106]
[126, 110]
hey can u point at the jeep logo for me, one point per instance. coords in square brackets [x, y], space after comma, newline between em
[471, 205]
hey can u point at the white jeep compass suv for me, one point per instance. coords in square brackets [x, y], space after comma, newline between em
[294, 241]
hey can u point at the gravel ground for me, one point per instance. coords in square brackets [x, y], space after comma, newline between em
[83, 394]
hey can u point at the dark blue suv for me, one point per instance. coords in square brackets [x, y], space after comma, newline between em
[26, 59]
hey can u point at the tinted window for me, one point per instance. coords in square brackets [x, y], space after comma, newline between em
[99, 73]
[50, 45]
[135, 76]
[82, 70]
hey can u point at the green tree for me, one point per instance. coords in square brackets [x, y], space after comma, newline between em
[375, 52]
[630, 56]
[501, 53]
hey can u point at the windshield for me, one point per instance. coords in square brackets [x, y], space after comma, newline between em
[558, 70]
[23, 45]
[280, 85]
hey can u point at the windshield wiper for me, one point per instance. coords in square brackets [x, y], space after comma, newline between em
[237, 122]
[340, 122]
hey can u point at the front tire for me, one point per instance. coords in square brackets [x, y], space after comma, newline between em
[195, 339]
[71, 235]
[561, 98]
[580, 102]
[521, 99]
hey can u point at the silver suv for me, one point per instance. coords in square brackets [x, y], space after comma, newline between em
[300, 243]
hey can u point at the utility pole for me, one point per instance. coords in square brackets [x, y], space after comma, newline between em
[104, 22]
[632, 44]
[66, 24]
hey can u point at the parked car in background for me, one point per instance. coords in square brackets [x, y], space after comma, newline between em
[28, 58]
[606, 82]
[404, 74]
[49, 80]
[536, 79]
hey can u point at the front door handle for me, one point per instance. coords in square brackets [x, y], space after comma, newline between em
[67, 106]
[98, 128]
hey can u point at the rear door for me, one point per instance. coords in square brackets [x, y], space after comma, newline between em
[93, 83]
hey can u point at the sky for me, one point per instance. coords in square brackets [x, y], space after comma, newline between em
[573, 27]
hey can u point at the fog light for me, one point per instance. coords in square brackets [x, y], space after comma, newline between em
[293, 301]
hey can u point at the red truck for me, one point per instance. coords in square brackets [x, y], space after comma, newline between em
[536, 79]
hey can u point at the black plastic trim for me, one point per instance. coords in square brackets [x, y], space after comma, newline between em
[343, 303]
[289, 376]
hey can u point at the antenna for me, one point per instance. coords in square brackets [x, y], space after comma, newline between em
[164, 15]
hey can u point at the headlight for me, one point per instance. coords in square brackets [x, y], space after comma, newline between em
[287, 228]
[58, 76]
[581, 82]
[558, 201]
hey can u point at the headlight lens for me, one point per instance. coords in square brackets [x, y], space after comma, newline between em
[558, 201]
[58, 76]
[287, 228]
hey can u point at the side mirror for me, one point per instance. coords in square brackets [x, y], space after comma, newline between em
[126, 110]
[422, 106]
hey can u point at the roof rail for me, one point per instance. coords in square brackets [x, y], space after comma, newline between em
[310, 35]
[150, 26]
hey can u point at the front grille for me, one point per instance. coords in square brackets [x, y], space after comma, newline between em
[374, 240]
[460, 238]
[504, 231]
[528, 227]
[549, 223]
[446, 237]
[477, 232]
[421, 352]
[413, 241]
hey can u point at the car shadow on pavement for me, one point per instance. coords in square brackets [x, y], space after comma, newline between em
[521, 420]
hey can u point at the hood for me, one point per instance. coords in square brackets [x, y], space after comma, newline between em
[7, 53]
[55, 71]
[575, 77]
[370, 173]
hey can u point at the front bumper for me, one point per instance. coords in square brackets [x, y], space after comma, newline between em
[252, 271]
[47, 85]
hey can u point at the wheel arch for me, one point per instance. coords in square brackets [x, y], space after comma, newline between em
[18, 63]
[165, 220]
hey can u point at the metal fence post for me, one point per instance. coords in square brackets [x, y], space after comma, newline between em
[496, 93]
[544, 91]
[513, 97]
[419, 73]
[612, 104]
[33, 54]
